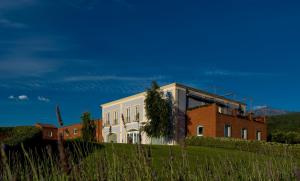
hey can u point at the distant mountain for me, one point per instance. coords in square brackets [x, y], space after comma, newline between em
[268, 111]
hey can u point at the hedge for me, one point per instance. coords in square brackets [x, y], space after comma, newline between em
[22, 134]
[263, 147]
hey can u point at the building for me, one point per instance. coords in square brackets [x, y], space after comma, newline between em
[51, 132]
[124, 118]
[211, 121]
[74, 131]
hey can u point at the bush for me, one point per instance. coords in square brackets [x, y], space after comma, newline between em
[262, 147]
[22, 134]
[290, 137]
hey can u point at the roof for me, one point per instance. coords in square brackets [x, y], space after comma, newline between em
[177, 85]
[79, 124]
[45, 125]
[210, 94]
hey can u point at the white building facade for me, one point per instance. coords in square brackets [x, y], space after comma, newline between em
[132, 109]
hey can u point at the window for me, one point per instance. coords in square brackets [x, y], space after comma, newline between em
[244, 133]
[75, 131]
[50, 134]
[107, 119]
[116, 119]
[227, 130]
[133, 137]
[200, 130]
[127, 119]
[137, 113]
[258, 135]
[220, 109]
[67, 132]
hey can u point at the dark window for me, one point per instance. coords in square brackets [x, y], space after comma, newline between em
[200, 130]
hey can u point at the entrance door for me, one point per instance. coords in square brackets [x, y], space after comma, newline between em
[133, 137]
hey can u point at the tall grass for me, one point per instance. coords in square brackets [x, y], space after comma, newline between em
[146, 162]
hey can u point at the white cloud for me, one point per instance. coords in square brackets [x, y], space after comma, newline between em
[43, 99]
[20, 97]
[23, 97]
[260, 107]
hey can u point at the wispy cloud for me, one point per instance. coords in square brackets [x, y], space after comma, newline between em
[12, 4]
[109, 77]
[11, 97]
[235, 73]
[23, 57]
[4, 22]
[43, 99]
[260, 107]
[24, 67]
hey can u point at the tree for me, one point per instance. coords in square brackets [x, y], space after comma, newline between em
[159, 113]
[88, 127]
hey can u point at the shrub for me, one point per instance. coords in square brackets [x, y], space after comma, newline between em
[290, 137]
[262, 147]
[22, 134]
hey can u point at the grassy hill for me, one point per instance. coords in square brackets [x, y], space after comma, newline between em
[286, 122]
[158, 162]
[284, 128]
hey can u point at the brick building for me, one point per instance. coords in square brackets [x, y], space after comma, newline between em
[214, 121]
[74, 131]
[51, 132]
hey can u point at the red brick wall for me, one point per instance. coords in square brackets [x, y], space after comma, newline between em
[214, 123]
[46, 132]
[55, 131]
[68, 131]
[204, 116]
[72, 135]
[237, 124]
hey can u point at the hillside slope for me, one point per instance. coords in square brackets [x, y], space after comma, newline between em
[286, 122]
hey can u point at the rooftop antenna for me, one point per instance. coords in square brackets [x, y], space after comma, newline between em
[230, 94]
[251, 104]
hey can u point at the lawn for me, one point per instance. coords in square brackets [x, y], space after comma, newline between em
[156, 162]
[150, 162]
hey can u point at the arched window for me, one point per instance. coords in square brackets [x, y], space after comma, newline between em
[200, 130]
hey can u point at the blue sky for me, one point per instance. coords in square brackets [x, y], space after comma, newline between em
[82, 53]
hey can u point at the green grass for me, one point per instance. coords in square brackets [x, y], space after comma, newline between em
[190, 163]
[152, 162]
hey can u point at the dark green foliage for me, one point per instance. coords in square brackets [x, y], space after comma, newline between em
[5, 132]
[289, 137]
[88, 127]
[159, 112]
[284, 128]
[21, 134]
[286, 122]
